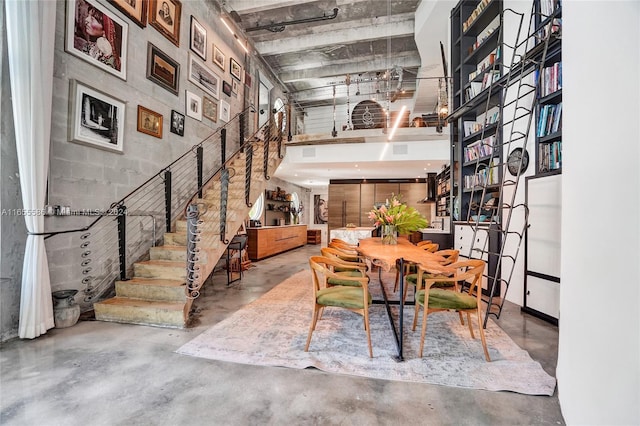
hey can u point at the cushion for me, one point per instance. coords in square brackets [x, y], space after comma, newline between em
[343, 297]
[413, 279]
[346, 281]
[446, 299]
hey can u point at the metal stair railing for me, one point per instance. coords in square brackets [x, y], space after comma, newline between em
[201, 220]
[90, 249]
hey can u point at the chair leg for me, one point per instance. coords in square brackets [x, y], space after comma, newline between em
[395, 286]
[470, 326]
[484, 341]
[312, 327]
[368, 329]
[424, 329]
[461, 319]
[415, 316]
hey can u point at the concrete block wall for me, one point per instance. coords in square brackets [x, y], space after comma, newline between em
[85, 177]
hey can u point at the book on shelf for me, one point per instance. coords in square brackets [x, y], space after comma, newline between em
[550, 119]
[550, 156]
[474, 14]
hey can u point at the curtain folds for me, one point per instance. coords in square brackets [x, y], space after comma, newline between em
[30, 46]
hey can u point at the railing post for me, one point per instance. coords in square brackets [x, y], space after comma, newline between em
[167, 199]
[192, 232]
[223, 145]
[242, 130]
[122, 240]
[199, 156]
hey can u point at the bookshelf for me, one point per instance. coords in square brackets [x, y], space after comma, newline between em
[278, 206]
[476, 64]
[443, 192]
[544, 188]
[475, 124]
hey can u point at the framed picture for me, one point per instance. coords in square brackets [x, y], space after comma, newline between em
[247, 79]
[95, 118]
[226, 88]
[209, 109]
[162, 70]
[149, 122]
[225, 110]
[193, 105]
[133, 9]
[177, 123]
[203, 76]
[198, 39]
[218, 57]
[97, 35]
[234, 87]
[164, 16]
[235, 69]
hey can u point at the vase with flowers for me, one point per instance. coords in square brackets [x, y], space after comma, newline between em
[394, 217]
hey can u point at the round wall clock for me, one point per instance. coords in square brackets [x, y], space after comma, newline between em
[518, 157]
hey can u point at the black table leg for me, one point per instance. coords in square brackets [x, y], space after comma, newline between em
[397, 332]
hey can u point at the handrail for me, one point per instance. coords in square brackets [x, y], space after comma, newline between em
[120, 202]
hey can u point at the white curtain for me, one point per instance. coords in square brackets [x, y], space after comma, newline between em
[30, 41]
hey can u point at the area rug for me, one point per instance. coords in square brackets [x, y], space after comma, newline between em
[272, 331]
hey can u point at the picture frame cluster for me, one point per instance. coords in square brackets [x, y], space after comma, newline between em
[99, 36]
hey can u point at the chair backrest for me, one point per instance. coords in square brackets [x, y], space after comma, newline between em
[430, 247]
[423, 242]
[323, 266]
[344, 254]
[342, 246]
[471, 270]
[450, 255]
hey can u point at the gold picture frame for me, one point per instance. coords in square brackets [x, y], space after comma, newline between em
[165, 16]
[149, 122]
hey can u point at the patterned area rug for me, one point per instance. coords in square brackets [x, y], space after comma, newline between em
[272, 331]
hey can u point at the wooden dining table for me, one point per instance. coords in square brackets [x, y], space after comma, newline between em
[392, 256]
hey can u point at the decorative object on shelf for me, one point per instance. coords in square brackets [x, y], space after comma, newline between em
[393, 212]
[518, 158]
[65, 309]
[164, 16]
[389, 234]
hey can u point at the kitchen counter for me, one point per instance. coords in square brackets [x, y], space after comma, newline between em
[351, 235]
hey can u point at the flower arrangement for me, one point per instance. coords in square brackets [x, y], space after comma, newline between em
[394, 212]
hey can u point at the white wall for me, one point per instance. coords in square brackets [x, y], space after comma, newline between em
[599, 349]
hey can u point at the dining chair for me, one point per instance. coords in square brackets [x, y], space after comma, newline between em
[450, 256]
[346, 253]
[410, 268]
[437, 299]
[343, 267]
[354, 297]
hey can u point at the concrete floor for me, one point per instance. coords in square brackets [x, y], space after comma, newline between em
[98, 373]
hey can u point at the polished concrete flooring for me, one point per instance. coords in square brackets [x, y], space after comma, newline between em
[98, 373]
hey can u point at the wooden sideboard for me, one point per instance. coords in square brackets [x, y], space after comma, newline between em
[271, 240]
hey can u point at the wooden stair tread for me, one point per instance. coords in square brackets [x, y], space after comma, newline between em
[160, 282]
[141, 303]
[160, 262]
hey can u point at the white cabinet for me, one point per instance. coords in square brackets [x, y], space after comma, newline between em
[476, 247]
[542, 286]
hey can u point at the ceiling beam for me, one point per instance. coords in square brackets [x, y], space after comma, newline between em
[359, 31]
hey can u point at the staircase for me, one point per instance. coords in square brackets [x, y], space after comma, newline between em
[157, 294]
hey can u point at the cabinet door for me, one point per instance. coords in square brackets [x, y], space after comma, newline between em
[384, 191]
[544, 198]
[543, 296]
[463, 241]
[412, 194]
[344, 204]
[367, 199]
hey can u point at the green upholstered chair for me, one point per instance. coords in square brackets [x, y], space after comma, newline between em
[410, 268]
[354, 297]
[450, 255]
[438, 299]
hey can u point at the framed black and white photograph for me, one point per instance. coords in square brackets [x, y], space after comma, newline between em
[226, 88]
[177, 123]
[133, 9]
[203, 76]
[209, 109]
[235, 69]
[218, 57]
[234, 87]
[149, 122]
[198, 39]
[225, 110]
[162, 70]
[97, 35]
[95, 118]
[165, 16]
[193, 105]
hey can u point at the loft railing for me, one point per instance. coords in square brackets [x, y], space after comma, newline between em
[99, 247]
